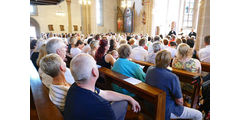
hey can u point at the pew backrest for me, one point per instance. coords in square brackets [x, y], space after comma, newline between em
[149, 93]
[184, 76]
[45, 109]
[205, 66]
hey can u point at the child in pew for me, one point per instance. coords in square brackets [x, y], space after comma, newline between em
[159, 76]
[55, 67]
[114, 53]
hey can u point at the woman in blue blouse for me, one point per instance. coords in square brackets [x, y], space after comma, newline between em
[127, 67]
[159, 76]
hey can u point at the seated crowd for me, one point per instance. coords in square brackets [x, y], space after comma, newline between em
[73, 89]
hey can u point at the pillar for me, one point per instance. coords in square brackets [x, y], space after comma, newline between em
[69, 16]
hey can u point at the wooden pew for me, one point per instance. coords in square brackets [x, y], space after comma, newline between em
[184, 76]
[205, 66]
[149, 93]
[40, 102]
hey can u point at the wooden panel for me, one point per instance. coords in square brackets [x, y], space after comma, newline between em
[149, 93]
[46, 110]
[184, 76]
[33, 111]
[205, 66]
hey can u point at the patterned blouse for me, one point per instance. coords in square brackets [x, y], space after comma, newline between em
[190, 64]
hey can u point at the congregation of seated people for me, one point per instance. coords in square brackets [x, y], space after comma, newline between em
[73, 90]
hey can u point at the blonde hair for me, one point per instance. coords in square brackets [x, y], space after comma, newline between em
[184, 51]
[123, 42]
[73, 40]
[50, 64]
[42, 53]
[163, 59]
[131, 41]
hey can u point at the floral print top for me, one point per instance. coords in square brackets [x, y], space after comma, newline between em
[190, 64]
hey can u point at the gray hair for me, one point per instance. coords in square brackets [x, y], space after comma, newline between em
[94, 44]
[124, 51]
[50, 64]
[53, 44]
[184, 51]
[81, 67]
[156, 47]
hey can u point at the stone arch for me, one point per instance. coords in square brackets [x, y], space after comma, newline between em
[34, 23]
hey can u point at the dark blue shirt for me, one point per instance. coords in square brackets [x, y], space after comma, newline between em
[167, 81]
[83, 104]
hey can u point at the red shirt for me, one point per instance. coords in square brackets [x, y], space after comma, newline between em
[171, 41]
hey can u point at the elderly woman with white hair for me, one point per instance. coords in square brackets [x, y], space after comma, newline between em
[55, 67]
[151, 57]
[184, 59]
[55, 45]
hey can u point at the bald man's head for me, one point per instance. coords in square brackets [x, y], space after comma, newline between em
[82, 66]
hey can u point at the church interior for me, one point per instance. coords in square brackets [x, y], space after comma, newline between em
[154, 54]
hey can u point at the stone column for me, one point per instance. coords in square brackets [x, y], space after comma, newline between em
[203, 23]
[69, 16]
[195, 11]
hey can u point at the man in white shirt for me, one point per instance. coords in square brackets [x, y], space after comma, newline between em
[204, 53]
[155, 40]
[57, 46]
[139, 53]
[172, 49]
[165, 44]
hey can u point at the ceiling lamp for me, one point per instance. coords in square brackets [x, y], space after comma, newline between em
[60, 12]
[84, 2]
[126, 3]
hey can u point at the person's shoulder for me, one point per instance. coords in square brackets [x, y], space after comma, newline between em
[108, 56]
[195, 60]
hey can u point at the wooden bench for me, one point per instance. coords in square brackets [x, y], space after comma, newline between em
[184, 76]
[41, 107]
[149, 93]
[205, 66]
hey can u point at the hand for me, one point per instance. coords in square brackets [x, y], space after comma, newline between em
[135, 105]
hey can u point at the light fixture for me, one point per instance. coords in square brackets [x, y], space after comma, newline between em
[89, 2]
[84, 2]
[60, 12]
[80, 2]
[126, 3]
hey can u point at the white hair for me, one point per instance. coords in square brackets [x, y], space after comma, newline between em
[50, 64]
[156, 47]
[53, 44]
[81, 67]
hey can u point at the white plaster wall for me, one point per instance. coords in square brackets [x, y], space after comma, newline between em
[76, 15]
[47, 15]
[109, 17]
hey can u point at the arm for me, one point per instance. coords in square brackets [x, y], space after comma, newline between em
[109, 59]
[176, 91]
[114, 96]
[139, 73]
[179, 101]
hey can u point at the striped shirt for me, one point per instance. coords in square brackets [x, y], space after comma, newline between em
[57, 94]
